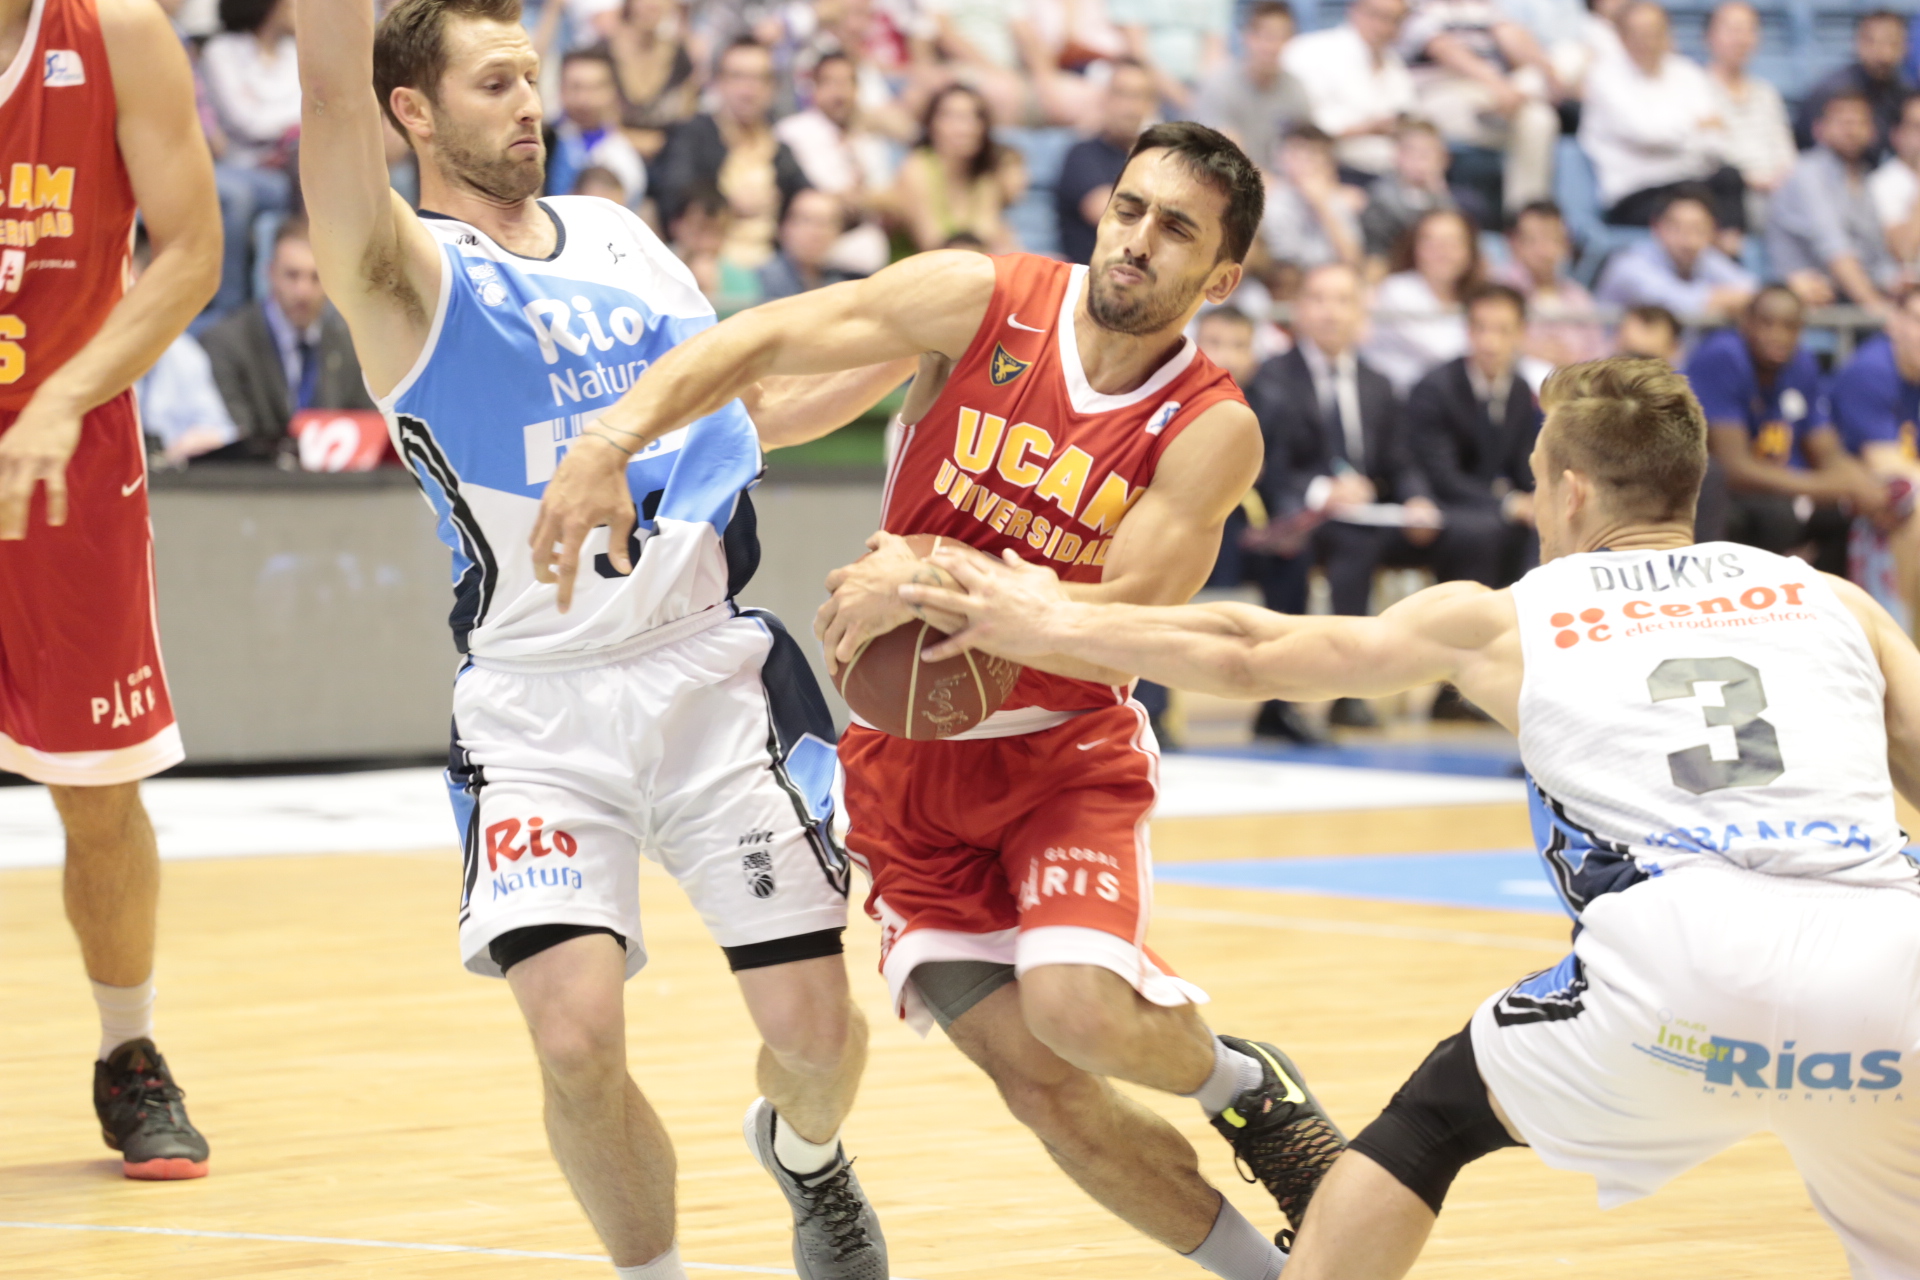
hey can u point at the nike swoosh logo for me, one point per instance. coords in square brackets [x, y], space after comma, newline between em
[1015, 322]
[1294, 1092]
[126, 490]
[1088, 746]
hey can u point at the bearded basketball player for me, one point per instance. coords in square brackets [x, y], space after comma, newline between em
[96, 121]
[1061, 415]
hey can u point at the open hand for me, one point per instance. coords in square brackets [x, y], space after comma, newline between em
[588, 489]
[33, 452]
[866, 599]
[1013, 609]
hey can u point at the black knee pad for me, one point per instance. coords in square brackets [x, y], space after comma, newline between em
[1437, 1124]
[515, 945]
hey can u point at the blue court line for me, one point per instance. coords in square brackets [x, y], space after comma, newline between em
[410, 1247]
[1411, 757]
[1502, 879]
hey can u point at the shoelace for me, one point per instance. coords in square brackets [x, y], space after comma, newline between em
[833, 1203]
[1290, 1162]
[145, 1093]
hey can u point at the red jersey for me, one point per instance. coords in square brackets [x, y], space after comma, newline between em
[1020, 451]
[66, 231]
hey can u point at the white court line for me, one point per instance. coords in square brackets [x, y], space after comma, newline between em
[1411, 933]
[370, 1244]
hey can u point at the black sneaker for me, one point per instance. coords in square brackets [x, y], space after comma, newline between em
[1282, 1137]
[836, 1234]
[143, 1115]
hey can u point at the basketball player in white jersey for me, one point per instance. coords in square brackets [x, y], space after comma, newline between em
[654, 717]
[1713, 736]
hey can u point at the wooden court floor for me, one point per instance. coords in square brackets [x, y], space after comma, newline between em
[362, 1092]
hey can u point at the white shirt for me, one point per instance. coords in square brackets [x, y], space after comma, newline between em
[834, 159]
[1893, 188]
[1759, 137]
[1645, 131]
[1337, 69]
[255, 94]
[1336, 384]
[1412, 330]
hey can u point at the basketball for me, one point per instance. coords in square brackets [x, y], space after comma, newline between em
[890, 688]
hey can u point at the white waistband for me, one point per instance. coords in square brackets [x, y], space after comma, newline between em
[633, 646]
[1006, 724]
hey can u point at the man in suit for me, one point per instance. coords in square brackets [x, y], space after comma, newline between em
[285, 352]
[1333, 441]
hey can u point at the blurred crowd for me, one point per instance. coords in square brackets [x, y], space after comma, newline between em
[1462, 194]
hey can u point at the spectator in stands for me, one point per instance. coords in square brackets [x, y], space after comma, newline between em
[1255, 100]
[1756, 137]
[996, 46]
[1823, 235]
[588, 133]
[1417, 186]
[181, 410]
[1875, 404]
[1679, 268]
[253, 100]
[1562, 327]
[1311, 217]
[840, 155]
[698, 236]
[1650, 332]
[595, 181]
[1766, 427]
[733, 151]
[1895, 189]
[1486, 83]
[285, 352]
[813, 221]
[1419, 318]
[1093, 165]
[1179, 41]
[1470, 425]
[959, 179]
[1875, 74]
[1357, 84]
[646, 41]
[1332, 430]
[1651, 126]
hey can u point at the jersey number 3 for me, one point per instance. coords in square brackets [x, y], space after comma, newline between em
[1742, 697]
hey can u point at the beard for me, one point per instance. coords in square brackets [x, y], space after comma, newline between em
[1149, 309]
[467, 159]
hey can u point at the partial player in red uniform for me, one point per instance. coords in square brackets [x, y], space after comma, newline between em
[96, 120]
[1061, 414]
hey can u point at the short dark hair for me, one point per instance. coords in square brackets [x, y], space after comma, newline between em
[1406, 126]
[1848, 95]
[1218, 161]
[1879, 15]
[1773, 289]
[410, 45]
[738, 43]
[1231, 315]
[245, 15]
[829, 58]
[1687, 191]
[1655, 314]
[1481, 294]
[292, 227]
[1268, 9]
[1537, 209]
[1308, 132]
[596, 55]
[1634, 427]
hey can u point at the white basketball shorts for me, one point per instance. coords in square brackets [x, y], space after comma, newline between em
[1705, 1005]
[711, 754]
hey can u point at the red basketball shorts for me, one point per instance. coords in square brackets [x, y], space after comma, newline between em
[83, 699]
[1027, 850]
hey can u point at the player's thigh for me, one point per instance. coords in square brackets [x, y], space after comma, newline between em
[546, 839]
[802, 1008]
[571, 995]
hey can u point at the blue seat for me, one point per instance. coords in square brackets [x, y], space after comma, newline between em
[1577, 193]
[1033, 219]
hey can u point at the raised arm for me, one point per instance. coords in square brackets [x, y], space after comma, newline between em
[929, 303]
[1459, 631]
[166, 157]
[379, 265]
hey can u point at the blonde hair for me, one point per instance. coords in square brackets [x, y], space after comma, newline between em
[1632, 426]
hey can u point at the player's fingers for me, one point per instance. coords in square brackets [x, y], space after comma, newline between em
[967, 570]
[952, 602]
[952, 647]
[56, 482]
[823, 617]
[541, 544]
[565, 565]
[619, 530]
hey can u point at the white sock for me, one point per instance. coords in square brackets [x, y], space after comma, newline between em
[1233, 1074]
[665, 1267]
[126, 1013]
[1235, 1249]
[796, 1154]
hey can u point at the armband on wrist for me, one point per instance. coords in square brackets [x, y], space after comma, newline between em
[592, 433]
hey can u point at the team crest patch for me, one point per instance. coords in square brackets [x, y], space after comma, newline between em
[1161, 417]
[1005, 368]
[64, 69]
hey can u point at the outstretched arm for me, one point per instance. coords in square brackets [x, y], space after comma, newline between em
[1458, 631]
[789, 410]
[379, 265]
[172, 175]
[931, 302]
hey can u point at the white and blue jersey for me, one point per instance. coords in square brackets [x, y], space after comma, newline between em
[522, 355]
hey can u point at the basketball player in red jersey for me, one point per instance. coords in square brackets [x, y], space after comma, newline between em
[96, 119]
[1060, 413]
